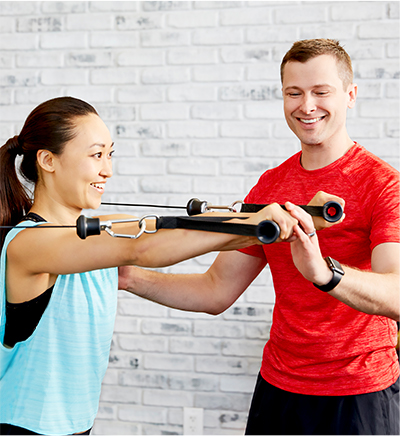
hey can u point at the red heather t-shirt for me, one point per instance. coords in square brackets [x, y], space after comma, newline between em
[318, 345]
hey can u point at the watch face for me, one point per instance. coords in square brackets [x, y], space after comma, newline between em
[334, 265]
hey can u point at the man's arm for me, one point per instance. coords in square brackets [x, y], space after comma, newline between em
[211, 292]
[376, 292]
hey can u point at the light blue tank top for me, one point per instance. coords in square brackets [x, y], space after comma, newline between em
[50, 383]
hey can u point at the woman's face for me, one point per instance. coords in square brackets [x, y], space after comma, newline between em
[81, 171]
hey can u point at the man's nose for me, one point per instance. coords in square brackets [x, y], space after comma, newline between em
[308, 105]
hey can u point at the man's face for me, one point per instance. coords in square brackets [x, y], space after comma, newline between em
[315, 103]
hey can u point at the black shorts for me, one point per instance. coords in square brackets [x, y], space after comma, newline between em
[277, 412]
[10, 429]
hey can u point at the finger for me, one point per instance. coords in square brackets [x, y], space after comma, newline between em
[305, 219]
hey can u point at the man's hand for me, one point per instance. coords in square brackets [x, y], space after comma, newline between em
[319, 199]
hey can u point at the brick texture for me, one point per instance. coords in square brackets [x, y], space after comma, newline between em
[190, 91]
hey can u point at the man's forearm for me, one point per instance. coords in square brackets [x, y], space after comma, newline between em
[369, 292]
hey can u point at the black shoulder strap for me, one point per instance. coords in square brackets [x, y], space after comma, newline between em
[31, 216]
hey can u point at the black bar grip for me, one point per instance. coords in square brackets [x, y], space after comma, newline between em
[268, 231]
[87, 227]
[195, 207]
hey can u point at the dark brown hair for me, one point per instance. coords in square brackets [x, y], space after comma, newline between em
[48, 127]
[304, 50]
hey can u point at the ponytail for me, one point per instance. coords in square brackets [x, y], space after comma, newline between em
[14, 199]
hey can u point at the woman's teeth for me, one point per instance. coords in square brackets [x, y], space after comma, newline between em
[314, 120]
[98, 186]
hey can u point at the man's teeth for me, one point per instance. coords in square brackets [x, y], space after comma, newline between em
[314, 120]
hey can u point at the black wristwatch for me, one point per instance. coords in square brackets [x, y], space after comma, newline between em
[338, 273]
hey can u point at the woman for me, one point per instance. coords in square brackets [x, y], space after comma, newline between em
[58, 292]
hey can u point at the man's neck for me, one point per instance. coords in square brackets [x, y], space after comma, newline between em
[318, 156]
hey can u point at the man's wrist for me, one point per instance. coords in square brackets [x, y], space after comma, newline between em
[337, 274]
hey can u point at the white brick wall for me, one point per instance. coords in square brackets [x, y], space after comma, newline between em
[191, 94]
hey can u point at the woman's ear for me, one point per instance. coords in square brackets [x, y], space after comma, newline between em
[45, 160]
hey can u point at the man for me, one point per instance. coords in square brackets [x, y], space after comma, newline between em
[330, 365]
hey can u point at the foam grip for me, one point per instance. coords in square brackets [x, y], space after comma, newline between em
[332, 211]
[268, 231]
[195, 206]
[87, 227]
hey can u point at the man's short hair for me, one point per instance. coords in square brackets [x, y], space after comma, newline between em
[306, 49]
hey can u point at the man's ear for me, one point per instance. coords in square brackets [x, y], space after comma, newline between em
[45, 160]
[352, 93]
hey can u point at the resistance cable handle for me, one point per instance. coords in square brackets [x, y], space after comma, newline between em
[331, 211]
[266, 231]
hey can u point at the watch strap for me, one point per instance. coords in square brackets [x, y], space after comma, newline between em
[338, 273]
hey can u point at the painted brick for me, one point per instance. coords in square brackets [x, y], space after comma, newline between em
[197, 382]
[271, 34]
[139, 131]
[195, 346]
[237, 383]
[63, 76]
[347, 12]
[14, 78]
[112, 6]
[227, 148]
[219, 330]
[153, 397]
[39, 59]
[42, 24]
[193, 166]
[247, 348]
[191, 93]
[192, 129]
[164, 6]
[64, 40]
[113, 39]
[164, 38]
[165, 149]
[102, 427]
[107, 76]
[301, 14]
[245, 92]
[165, 185]
[142, 343]
[155, 415]
[216, 4]
[140, 21]
[139, 94]
[140, 307]
[222, 185]
[62, 7]
[92, 94]
[165, 75]
[217, 36]
[389, 29]
[184, 56]
[221, 73]
[233, 401]
[245, 129]
[168, 362]
[143, 379]
[166, 327]
[18, 8]
[193, 19]
[164, 111]
[13, 41]
[253, 17]
[221, 365]
[244, 54]
[140, 57]
[120, 394]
